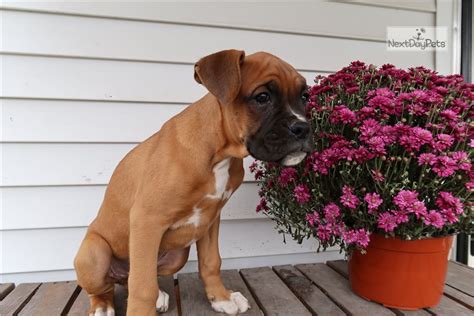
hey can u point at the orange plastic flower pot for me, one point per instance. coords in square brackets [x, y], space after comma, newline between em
[404, 274]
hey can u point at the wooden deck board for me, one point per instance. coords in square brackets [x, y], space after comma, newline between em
[313, 298]
[459, 296]
[50, 299]
[272, 294]
[306, 289]
[193, 297]
[336, 286]
[80, 306]
[18, 298]
[461, 278]
[6, 288]
[448, 306]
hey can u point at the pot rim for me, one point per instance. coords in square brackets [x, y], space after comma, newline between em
[422, 245]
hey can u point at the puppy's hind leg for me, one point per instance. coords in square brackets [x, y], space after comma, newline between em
[92, 264]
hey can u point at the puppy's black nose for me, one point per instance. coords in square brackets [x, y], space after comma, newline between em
[300, 129]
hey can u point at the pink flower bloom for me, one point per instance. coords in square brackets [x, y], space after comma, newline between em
[434, 218]
[426, 158]
[377, 175]
[441, 90]
[313, 218]
[348, 198]
[462, 160]
[405, 199]
[449, 216]
[445, 166]
[469, 185]
[360, 237]
[387, 222]
[341, 114]
[352, 90]
[373, 201]
[385, 104]
[369, 129]
[301, 193]
[471, 143]
[449, 115]
[377, 145]
[401, 217]
[415, 138]
[253, 166]
[324, 232]
[262, 206]
[418, 208]
[443, 142]
[287, 175]
[331, 212]
[446, 200]
[385, 92]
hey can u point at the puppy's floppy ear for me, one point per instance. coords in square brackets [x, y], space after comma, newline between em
[220, 73]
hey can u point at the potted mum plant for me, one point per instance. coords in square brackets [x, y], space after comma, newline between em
[390, 181]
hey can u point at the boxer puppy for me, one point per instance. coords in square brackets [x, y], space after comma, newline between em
[167, 193]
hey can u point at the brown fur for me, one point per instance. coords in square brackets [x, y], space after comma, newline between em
[159, 182]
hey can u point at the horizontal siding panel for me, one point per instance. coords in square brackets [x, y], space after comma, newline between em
[106, 38]
[54, 249]
[72, 121]
[316, 17]
[66, 164]
[420, 5]
[73, 206]
[66, 78]
[191, 266]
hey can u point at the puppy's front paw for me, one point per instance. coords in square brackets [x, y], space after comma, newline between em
[237, 304]
[163, 302]
[103, 312]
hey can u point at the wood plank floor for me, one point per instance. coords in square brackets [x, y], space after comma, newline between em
[304, 289]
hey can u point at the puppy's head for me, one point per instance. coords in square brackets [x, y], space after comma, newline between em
[263, 98]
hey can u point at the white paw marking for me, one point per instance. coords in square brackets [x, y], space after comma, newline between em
[102, 312]
[163, 302]
[237, 304]
[221, 175]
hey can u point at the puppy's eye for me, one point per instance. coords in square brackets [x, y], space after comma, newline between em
[262, 98]
[305, 97]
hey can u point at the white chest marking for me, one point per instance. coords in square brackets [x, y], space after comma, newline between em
[221, 175]
[194, 219]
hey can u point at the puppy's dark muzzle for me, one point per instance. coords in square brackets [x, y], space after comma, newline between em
[300, 130]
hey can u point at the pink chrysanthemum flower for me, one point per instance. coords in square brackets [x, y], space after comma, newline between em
[348, 198]
[387, 222]
[262, 205]
[434, 218]
[373, 201]
[360, 237]
[446, 200]
[313, 219]
[443, 142]
[405, 199]
[301, 193]
[331, 212]
[287, 175]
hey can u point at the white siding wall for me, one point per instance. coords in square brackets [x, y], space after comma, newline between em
[82, 83]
